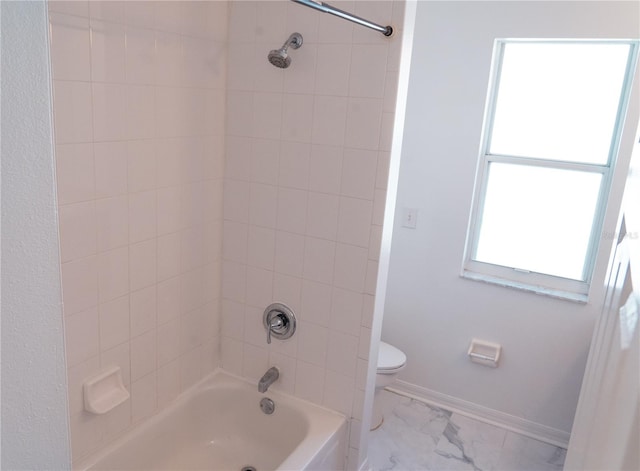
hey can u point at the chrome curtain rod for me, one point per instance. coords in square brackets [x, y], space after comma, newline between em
[386, 30]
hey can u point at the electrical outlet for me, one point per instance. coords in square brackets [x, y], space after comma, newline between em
[409, 217]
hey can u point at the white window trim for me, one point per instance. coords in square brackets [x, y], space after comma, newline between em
[540, 283]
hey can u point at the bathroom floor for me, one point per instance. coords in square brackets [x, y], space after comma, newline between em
[419, 437]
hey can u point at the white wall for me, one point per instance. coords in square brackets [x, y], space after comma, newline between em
[139, 106]
[34, 389]
[431, 313]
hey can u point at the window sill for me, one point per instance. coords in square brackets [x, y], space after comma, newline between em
[540, 290]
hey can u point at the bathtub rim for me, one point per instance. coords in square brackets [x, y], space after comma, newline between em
[302, 455]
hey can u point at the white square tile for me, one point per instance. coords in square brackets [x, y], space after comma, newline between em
[73, 112]
[76, 376]
[302, 77]
[263, 208]
[75, 173]
[143, 398]
[168, 300]
[113, 274]
[143, 355]
[350, 267]
[107, 10]
[143, 264]
[292, 210]
[362, 367]
[346, 311]
[288, 289]
[325, 169]
[77, 230]
[313, 343]
[375, 241]
[371, 277]
[342, 353]
[329, 120]
[191, 330]
[332, 70]
[107, 51]
[386, 132]
[234, 281]
[309, 381]
[354, 221]
[109, 111]
[168, 342]
[70, 47]
[359, 173]
[191, 290]
[142, 216]
[368, 301]
[143, 310]
[333, 29]
[232, 324]
[364, 343]
[259, 287]
[316, 302]
[171, 111]
[168, 382]
[287, 368]
[240, 114]
[119, 355]
[79, 8]
[110, 168]
[382, 171]
[294, 165]
[168, 261]
[255, 362]
[254, 331]
[79, 285]
[192, 248]
[82, 336]
[297, 117]
[141, 113]
[368, 70]
[267, 115]
[140, 54]
[112, 219]
[241, 66]
[319, 258]
[236, 200]
[322, 215]
[235, 240]
[379, 202]
[261, 247]
[232, 355]
[238, 158]
[289, 255]
[168, 54]
[338, 392]
[169, 214]
[364, 118]
[114, 323]
[263, 164]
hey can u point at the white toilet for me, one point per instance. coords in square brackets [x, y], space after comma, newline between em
[391, 361]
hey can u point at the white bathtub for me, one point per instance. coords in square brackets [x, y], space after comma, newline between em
[218, 425]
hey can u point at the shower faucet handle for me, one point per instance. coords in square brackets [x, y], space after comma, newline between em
[279, 321]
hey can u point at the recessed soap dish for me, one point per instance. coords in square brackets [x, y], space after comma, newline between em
[105, 391]
[484, 353]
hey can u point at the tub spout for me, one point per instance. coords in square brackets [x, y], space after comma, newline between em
[268, 379]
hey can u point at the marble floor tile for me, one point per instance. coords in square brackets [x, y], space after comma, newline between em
[418, 437]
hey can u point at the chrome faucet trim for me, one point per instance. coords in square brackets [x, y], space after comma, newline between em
[268, 379]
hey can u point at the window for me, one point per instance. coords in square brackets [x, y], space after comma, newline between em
[554, 114]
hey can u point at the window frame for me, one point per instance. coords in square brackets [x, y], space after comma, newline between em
[541, 283]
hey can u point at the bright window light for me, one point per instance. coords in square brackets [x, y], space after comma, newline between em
[552, 131]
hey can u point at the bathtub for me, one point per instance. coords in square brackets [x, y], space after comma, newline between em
[218, 425]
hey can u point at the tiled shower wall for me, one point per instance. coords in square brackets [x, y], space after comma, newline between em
[304, 190]
[139, 107]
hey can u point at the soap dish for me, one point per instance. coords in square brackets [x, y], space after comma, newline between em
[105, 391]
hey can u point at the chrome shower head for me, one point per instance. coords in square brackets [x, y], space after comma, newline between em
[279, 57]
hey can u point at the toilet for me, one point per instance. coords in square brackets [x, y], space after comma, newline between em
[391, 361]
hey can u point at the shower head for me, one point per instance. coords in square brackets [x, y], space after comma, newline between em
[279, 57]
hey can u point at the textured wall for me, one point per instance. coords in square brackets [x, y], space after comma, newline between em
[34, 414]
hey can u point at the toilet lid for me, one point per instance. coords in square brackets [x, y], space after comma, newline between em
[389, 357]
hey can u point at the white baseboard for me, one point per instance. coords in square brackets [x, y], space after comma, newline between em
[485, 414]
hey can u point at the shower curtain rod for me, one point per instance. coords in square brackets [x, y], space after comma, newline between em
[386, 30]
